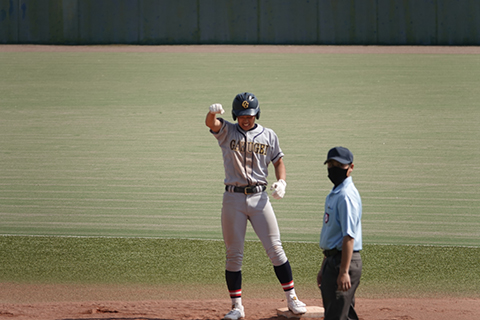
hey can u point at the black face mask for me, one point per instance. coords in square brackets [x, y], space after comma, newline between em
[337, 175]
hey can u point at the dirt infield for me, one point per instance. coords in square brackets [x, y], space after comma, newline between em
[45, 302]
[42, 302]
[388, 309]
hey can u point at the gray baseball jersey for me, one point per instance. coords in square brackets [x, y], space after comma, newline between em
[247, 154]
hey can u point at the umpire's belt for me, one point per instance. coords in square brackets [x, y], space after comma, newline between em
[333, 252]
[246, 190]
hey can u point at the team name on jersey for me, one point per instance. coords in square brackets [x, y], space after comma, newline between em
[259, 148]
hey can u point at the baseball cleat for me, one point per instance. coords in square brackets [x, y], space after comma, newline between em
[236, 313]
[296, 306]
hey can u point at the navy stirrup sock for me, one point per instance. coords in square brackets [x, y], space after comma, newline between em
[284, 275]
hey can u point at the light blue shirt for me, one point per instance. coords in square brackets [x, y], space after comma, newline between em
[342, 217]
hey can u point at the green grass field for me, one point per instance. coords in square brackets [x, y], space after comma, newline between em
[114, 145]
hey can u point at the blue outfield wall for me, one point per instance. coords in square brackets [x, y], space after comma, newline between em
[332, 22]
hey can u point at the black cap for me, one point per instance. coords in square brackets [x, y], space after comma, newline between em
[340, 154]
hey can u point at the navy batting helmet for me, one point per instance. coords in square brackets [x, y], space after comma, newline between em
[245, 104]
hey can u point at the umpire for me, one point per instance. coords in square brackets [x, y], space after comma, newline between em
[341, 239]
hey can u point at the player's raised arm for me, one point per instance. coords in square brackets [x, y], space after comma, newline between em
[211, 120]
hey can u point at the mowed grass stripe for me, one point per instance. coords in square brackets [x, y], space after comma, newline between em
[134, 193]
[62, 199]
[72, 216]
[119, 127]
[99, 225]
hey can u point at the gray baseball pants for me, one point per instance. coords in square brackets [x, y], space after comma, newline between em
[340, 305]
[237, 210]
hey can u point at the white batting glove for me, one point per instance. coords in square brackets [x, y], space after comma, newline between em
[216, 108]
[279, 189]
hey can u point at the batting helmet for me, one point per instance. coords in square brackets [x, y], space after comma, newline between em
[245, 104]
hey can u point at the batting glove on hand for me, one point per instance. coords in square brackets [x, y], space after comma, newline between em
[216, 108]
[279, 189]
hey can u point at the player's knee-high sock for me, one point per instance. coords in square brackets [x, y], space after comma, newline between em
[234, 285]
[284, 275]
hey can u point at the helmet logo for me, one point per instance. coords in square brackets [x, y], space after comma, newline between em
[245, 104]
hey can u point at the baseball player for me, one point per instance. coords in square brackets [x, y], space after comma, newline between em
[341, 239]
[248, 149]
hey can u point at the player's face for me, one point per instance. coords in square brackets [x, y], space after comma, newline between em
[246, 122]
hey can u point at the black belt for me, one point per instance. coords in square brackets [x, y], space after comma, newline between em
[333, 252]
[246, 190]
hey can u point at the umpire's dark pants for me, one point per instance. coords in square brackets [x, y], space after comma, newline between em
[340, 305]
